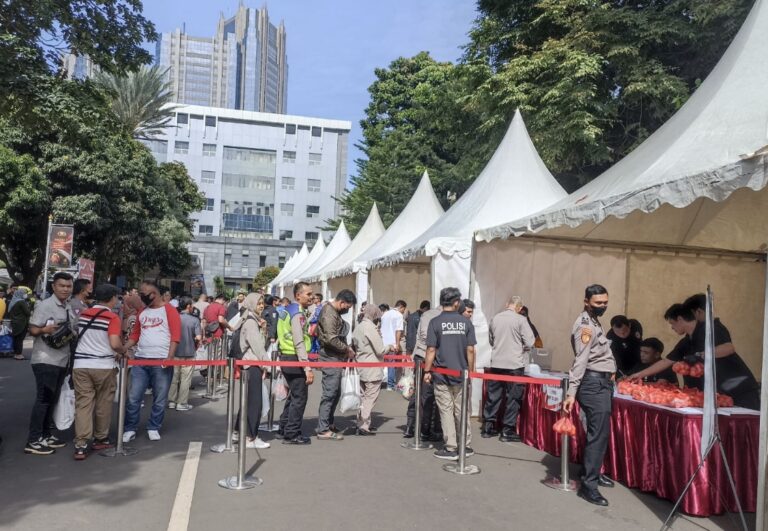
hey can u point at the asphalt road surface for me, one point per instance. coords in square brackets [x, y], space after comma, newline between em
[357, 483]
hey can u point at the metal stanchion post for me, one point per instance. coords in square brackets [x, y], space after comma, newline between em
[417, 378]
[241, 481]
[227, 446]
[563, 483]
[220, 386]
[271, 425]
[461, 467]
[209, 390]
[122, 392]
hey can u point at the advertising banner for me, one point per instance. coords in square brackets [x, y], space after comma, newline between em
[86, 269]
[62, 241]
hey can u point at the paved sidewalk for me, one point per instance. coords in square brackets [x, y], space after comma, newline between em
[357, 483]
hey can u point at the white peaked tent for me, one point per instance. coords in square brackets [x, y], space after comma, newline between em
[339, 243]
[419, 214]
[298, 259]
[313, 256]
[289, 263]
[368, 234]
[687, 208]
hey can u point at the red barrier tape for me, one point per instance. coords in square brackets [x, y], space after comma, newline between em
[515, 379]
[174, 362]
[321, 364]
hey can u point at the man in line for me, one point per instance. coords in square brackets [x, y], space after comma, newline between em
[202, 303]
[511, 338]
[431, 429]
[467, 308]
[49, 364]
[624, 344]
[332, 333]
[270, 316]
[236, 305]
[156, 334]
[591, 383]
[191, 335]
[294, 343]
[81, 292]
[392, 327]
[94, 376]
[450, 345]
[412, 327]
[216, 314]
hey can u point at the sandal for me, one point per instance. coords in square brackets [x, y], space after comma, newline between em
[332, 437]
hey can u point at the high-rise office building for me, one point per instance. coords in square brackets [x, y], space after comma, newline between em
[78, 66]
[243, 66]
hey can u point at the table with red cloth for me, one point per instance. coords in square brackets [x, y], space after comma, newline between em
[657, 450]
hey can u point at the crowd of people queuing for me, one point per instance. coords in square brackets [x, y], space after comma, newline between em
[149, 324]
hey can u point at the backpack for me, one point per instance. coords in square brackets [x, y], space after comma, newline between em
[234, 343]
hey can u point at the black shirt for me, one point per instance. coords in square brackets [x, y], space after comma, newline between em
[733, 376]
[667, 374]
[450, 333]
[625, 351]
[411, 330]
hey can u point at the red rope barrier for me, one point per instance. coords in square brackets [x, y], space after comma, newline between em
[321, 364]
[177, 362]
[515, 379]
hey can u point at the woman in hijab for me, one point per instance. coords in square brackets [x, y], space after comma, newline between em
[19, 312]
[252, 341]
[370, 348]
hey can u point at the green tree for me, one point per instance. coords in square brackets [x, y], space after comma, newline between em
[265, 276]
[140, 100]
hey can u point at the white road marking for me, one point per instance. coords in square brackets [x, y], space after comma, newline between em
[183, 502]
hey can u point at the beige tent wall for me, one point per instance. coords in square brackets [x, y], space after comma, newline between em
[657, 280]
[410, 282]
[551, 279]
[335, 285]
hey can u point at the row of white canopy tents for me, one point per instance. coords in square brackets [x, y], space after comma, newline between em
[686, 209]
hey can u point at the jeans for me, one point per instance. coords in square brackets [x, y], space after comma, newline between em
[391, 378]
[293, 410]
[514, 393]
[159, 379]
[254, 402]
[331, 394]
[48, 380]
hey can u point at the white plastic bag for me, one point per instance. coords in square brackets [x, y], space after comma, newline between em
[264, 399]
[406, 384]
[350, 391]
[280, 388]
[64, 413]
[201, 354]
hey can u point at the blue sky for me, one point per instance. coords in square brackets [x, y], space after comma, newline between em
[334, 45]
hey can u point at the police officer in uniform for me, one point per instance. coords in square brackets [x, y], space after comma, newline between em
[591, 383]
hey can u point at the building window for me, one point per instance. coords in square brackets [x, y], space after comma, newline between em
[311, 236]
[244, 270]
[209, 204]
[290, 129]
[289, 183]
[313, 185]
[182, 118]
[289, 157]
[286, 209]
[181, 148]
[227, 260]
[208, 177]
[317, 132]
[205, 230]
[286, 235]
[262, 261]
[281, 262]
[210, 121]
[313, 211]
[315, 159]
[246, 252]
[209, 150]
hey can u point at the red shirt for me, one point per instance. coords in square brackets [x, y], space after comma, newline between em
[211, 315]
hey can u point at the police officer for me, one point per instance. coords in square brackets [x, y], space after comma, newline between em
[591, 383]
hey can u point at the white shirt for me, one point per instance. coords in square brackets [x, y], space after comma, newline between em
[391, 323]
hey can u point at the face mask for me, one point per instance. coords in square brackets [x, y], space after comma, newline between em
[146, 299]
[598, 311]
[345, 310]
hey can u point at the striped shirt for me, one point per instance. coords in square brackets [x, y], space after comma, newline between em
[93, 348]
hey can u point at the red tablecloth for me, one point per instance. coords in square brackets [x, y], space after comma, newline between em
[656, 450]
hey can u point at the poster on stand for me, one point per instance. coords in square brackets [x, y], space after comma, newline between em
[62, 242]
[86, 269]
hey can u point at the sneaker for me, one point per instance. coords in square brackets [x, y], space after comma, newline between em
[257, 443]
[153, 435]
[184, 407]
[38, 448]
[102, 444]
[128, 436]
[54, 442]
[81, 452]
[468, 452]
[171, 405]
[235, 436]
[444, 453]
[299, 439]
[279, 435]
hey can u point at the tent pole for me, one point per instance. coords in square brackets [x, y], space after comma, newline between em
[761, 522]
[472, 263]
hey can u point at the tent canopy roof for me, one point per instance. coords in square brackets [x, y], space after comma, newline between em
[295, 260]
[714, 145]
[311, 258]
[514, 182]
[339, 243]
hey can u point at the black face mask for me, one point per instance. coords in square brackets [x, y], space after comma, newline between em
[345, 310]
[146, 299]
[598, 311]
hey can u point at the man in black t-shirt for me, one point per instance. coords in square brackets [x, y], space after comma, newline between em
[450, 345]
[625, 344]
[650, 352]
